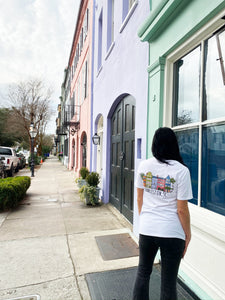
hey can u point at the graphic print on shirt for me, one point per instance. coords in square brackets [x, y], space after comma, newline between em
[157, 185]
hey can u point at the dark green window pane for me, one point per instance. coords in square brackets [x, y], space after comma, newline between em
[189, 146]
[213, 168]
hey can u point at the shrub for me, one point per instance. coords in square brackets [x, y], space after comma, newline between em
[84, 172]
[12, 191]
[89, 194]
[37, 160]
[93, 179]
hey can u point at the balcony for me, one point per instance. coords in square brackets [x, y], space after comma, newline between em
[72, 116]
[61, 130]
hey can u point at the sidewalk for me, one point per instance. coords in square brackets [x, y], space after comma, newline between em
[53, 247]
[48, 245]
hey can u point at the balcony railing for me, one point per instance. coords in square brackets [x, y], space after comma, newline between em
[72, 116]
[61, 130]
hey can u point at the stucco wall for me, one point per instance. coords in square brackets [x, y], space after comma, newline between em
[76, 92]
[124, 71]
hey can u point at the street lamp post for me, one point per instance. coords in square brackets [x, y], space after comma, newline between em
[33, 133]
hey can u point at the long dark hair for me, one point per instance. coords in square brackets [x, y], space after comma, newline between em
[165, 145]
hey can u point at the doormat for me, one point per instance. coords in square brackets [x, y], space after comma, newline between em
[117, 246]
[31, 297]
[118, 285]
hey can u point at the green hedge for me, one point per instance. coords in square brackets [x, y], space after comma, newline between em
[12, 191]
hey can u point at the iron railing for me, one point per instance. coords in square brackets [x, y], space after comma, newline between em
[71, 116]
[61, 130]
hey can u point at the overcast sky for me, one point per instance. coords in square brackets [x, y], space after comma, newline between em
[35, 41]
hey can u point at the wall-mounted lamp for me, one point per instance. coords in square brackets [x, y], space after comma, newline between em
[96, 139]
[72, 132]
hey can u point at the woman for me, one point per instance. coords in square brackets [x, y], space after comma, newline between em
[163, 190]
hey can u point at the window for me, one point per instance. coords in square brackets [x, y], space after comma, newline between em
[66, 147]
[187, 91]
[85, 80]
[127, 4]
[214, 80]
[189, 146]
[100, 41]
[199, 119]
[110, 27]
[81, 40]
[86, 24]
[213, 168]
[78, 92]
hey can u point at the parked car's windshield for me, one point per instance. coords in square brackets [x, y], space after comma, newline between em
[5, 151]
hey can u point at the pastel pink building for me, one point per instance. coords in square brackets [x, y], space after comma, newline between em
[79, 108]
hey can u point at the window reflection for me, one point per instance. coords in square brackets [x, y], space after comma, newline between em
[214, 85]
[187, 88]
[220, 39]
[188, 144]
[187, 103]
[213, 168]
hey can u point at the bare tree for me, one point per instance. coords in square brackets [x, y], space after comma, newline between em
[30, 102]
[185, 117]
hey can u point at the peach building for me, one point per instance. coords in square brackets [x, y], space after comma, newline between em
[78, 108]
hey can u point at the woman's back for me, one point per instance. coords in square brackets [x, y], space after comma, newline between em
[163, 184]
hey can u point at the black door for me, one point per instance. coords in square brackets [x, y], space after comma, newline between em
[122, 157]
[84, 150]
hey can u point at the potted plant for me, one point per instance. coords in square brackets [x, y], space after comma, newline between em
[82, 179]
[90, 192]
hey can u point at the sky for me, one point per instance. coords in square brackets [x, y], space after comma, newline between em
[35, 41]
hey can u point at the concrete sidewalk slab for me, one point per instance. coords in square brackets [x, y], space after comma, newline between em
[59, 289]
[3, 216]
[32, 227]
[36, 210]
[33, 261]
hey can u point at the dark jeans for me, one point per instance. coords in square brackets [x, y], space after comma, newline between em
[171, 250]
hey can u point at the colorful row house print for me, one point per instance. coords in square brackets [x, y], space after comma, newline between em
[158, 183]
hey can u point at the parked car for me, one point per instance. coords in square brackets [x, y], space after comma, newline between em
[22, 160]
[26, 153]
[2, 168]
[11, 161]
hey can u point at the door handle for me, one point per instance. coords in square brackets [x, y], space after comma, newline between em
[122, 156]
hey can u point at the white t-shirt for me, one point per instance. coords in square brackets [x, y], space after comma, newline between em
[163, 184]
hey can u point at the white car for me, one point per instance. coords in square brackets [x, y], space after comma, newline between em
[11, 161]
[26, 153]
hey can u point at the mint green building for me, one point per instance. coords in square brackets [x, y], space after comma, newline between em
[186, 91]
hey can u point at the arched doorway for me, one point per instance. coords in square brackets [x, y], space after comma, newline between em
[84, 149]
[122, 157]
